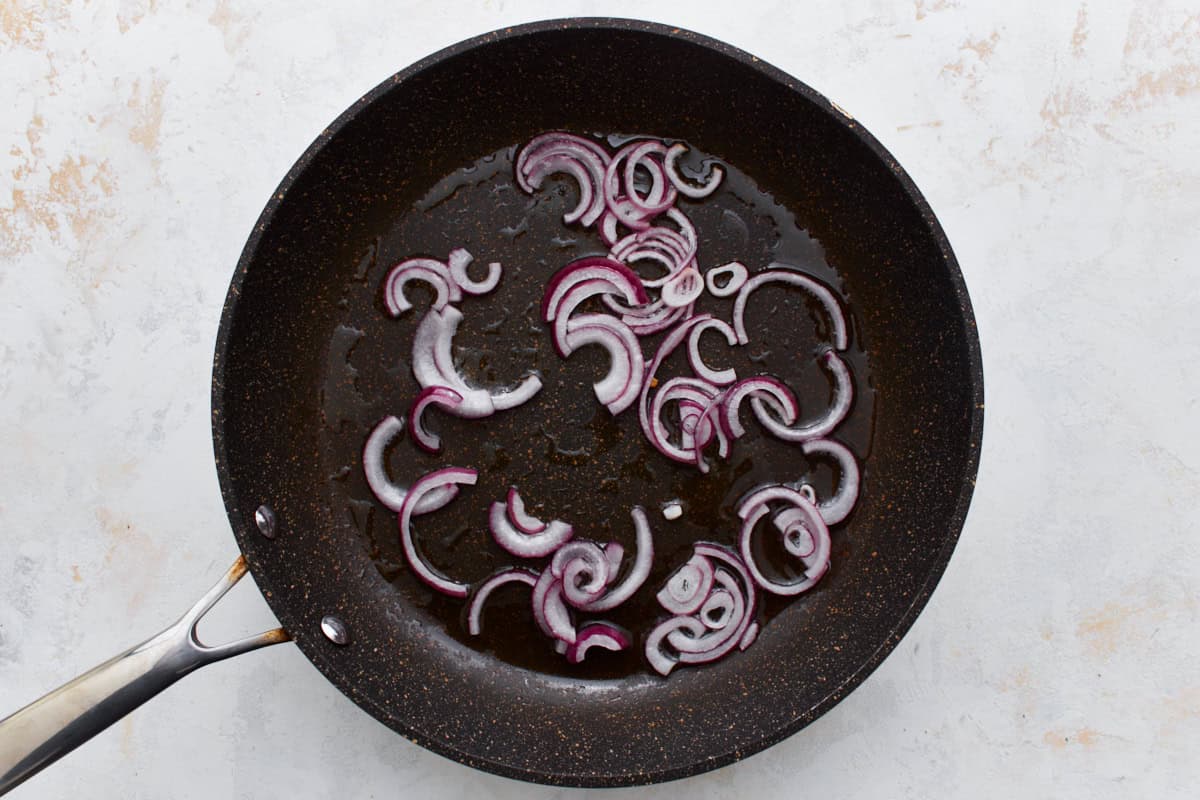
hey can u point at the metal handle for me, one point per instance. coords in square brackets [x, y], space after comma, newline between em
[47, 729]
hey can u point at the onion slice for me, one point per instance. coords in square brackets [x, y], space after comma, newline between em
[806, 518]
[524, 521]
[737, 273]
[434, 395]
[416, 561]
[619, 389]
[494, 581]
[433, 365]
[427, 270]
[390, 494]
[695, 636]
[526, 545]
[603, 635]
[715, 174]
[458, 261]
[582, 159]
[779, 273]
[837, 508]
[843, 398]
[718, 377]
[638, 571]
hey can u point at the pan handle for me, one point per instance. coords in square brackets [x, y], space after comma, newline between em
[47, 729]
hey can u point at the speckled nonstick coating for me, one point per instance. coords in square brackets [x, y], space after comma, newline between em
[595, 75]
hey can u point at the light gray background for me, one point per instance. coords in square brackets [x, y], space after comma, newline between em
[1058, 142]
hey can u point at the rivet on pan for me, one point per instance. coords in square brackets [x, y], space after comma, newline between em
[264, 518]
[335, 630]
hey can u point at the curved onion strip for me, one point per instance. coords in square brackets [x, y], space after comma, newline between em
[549, 610]
[711, 412]
[655, 654]
[719, 377]
[838, 507]
[775, 275]
[685, 590]
[815, 565]
[458, 261]
[789, 521]
[762, 386]
[638, 571]
[648, 326]
[725, 604]
[613, 552]
[526, 545]
[416, 561]
[434, 395]
[769, 494]
[714, 643]
[624, 282]
[604, 635]
[617, 390]
[426, 270]
[737, 273]
[493, 582]
[388, 493]
[697, 391]
[433, 365]
[693, 641]
[715, 174]
[665, 348]
[629, 207]
[583, 159]
[843, 398]
[583, 570]
[682, 288]
[525, 522]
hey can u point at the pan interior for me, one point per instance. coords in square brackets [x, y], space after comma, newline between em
[280, 390]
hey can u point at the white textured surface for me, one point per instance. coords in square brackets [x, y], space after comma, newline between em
[1059, 142]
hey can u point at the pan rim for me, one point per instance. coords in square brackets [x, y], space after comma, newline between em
[239, 518]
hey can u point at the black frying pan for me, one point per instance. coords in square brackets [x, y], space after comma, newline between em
[284, 401]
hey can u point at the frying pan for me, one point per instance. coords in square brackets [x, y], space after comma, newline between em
[383, 639]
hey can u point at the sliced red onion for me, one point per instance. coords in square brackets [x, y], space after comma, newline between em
[524, 521]
[426, 270]
[526, 545]
[688, 586]
[682, 288]
[651, 425]
[613, 553]
[416, 561]
[807, 518]
[700, 393]
[583, 570]
[434, 395]
[433, 365]
[622, 198]
[838, 507]
[777, 274]
[719, 619]
[797, 539]
[717, 377]
[623, 281]
[663, 317]
[459, 260]
[638, 571]
[762, 387]
[737, 273]
[617, 390]
[583, 159]
[672, 510]
[390, 494]
[843, 398]
[549, 610]
[715, 174]
[671, 249]
[483, 591]
[604, 635]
